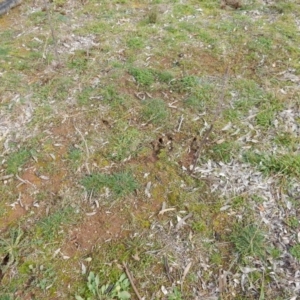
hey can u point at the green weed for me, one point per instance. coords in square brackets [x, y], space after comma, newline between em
[231, 115]
[288, 164]
[248, 241]
[238, 202]
[78, 60]
[264, 118]
[154, 111]
[118, 290]
[183, 10]
[262, 44]
[74, 154]
[249, 95]
[216, 258]
[10, 248]
[17, 160]
[125, 143]
[293, 222]
[295, 251]
[45, 276]
[199, 226]
[205, 37]
[135, 43]
[257, 199]
[143, 77]
[175, 294]
[275, 253]
[4, 52]
[185, 84]
[286, 140]
[199, 96]
[164, 76]
[120, 184]
[6, 297]
[152, 16]
[112, 97]
[223, 152]
[49, 226]
[38, 17]
[283, 7]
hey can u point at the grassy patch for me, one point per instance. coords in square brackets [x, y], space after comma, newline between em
[185, 84]
[199, 97]
[48, 227]
[142, 76]
[120, 184]
[249, 241]
[154, 111]
[288, 164]
[223, 152]
[124, 143]
[295, 251]
[17, 160]
[11, 247]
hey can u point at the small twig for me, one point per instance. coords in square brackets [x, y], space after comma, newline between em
[5, 177]
[167, 269]
[25, 181]
[181, 222]
[131, 281]
[84, 140]
[180, 123]
[20, 200]
[186, 270]
[161, 212]
[203, 140]
[86, 148]
[91, 194]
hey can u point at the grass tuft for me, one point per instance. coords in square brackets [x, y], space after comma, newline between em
[120, 184]
[143, 77]
[16, 161]
[287, 164]
[249, 241]
[155, 111]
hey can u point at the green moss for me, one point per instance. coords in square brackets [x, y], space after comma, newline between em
[174, 198]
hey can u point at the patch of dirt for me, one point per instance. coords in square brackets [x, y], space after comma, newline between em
[106, 225]
[31, 182]
[203, 61]
[9, 19]
[100, 227]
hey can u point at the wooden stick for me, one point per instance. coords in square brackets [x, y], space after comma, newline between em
[131, 281]
[204, 139]
[167, 269]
